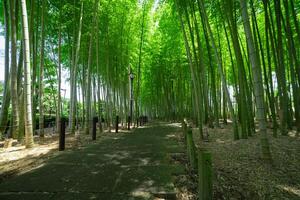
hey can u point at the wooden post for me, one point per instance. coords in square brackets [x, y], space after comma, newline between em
[141, 121]
[184, 130]
[117, 124]
[62, 134]
[128, 125]
[94, 135]
[191, 150]
[204, 175]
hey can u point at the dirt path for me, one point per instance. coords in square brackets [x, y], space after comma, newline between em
[129, 166]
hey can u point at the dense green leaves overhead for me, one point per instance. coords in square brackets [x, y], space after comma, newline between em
[190, 58]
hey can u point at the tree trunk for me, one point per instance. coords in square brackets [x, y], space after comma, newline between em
[41, 77]
[137, 102]
[13, 78]
[6, 92]
[58, 116]
[281, 75]
[73, 84]
[21, 93]
[98, 76]
[27, 80]
[257, 81]
[88, 117]
[34, 33]
[271, 95]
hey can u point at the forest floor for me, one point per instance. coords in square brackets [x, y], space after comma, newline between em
[240, 173]
[16, 159]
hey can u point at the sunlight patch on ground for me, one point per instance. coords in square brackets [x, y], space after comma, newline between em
[117, 156]
[141, 127]
[31, 169]
[20, 152]
[174, 125]
[141, 194]
[144, 161]
[292, 133]
[225, 141]
[93, 197]
[220, 141]
[290, 189]
[171, 136]
[95, 172]
[142, 190]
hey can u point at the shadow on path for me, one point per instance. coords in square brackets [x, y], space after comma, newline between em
[118, 167]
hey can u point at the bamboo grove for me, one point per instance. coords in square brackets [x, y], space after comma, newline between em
[214, 62]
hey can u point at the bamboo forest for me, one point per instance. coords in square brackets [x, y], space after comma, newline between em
[149, 99]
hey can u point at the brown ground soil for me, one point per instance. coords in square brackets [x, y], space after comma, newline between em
[240, 173]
